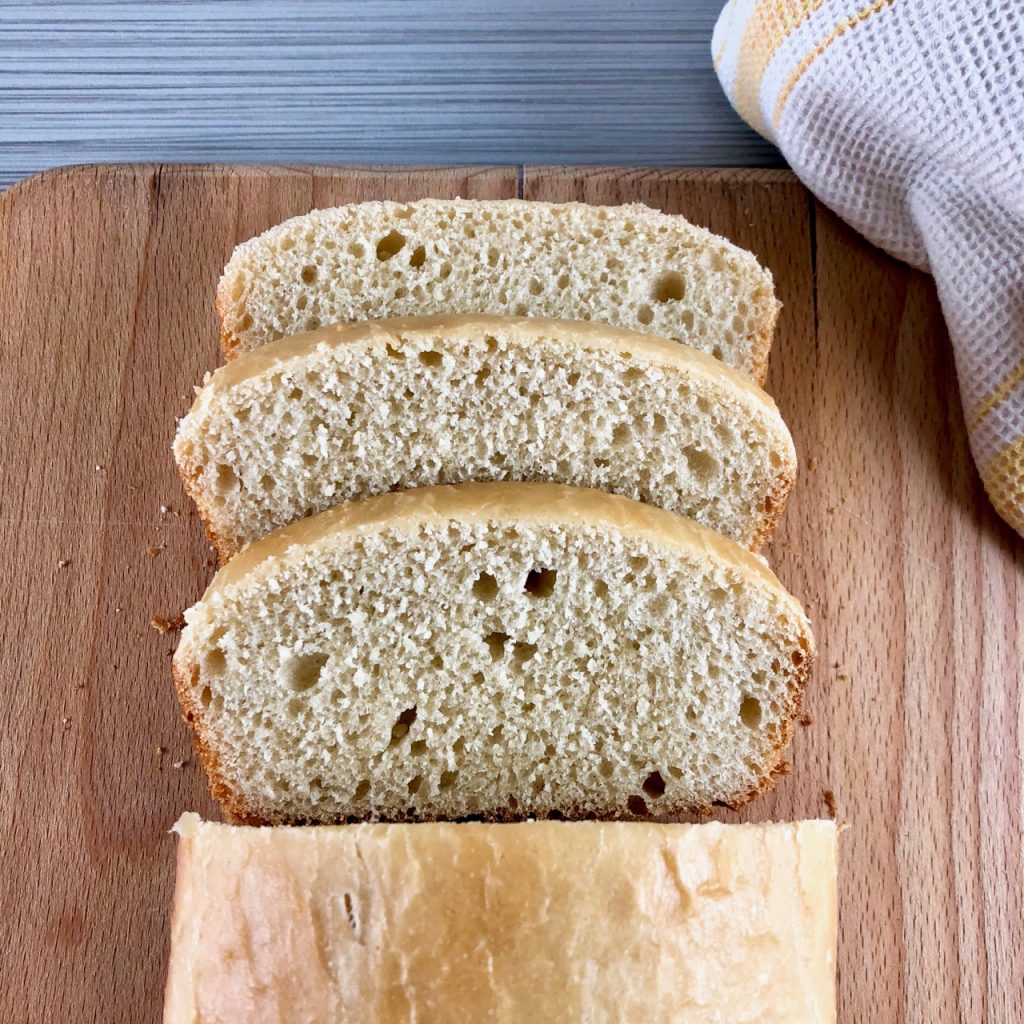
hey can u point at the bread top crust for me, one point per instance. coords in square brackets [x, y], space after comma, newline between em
[545, 920]
[498, 502]
[588, 336]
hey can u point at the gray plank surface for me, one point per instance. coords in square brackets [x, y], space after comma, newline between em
[365, 81]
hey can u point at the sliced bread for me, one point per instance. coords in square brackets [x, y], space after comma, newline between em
[494, 649]
[350, 411]
[626, 265]
[544, 921]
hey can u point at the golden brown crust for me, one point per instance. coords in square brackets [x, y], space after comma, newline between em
[763, 338]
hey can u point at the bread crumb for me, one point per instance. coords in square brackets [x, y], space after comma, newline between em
[160, 751]
[812, 464]
[830, 803]
[177, 765]
[154, 549]
[162, 625]
[164, 510]
[805, 719]
[66, 722]
[831, 510]
[99, 468]
[63, 563]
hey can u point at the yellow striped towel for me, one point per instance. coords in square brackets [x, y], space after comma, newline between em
[906, 117]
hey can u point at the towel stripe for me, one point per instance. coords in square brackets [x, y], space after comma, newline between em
[1003, 477]
[997, 397]
[840, 30]
[770, 23]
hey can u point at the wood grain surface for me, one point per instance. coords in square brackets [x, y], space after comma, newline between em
[913, 584]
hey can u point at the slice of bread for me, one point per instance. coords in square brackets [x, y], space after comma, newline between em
[625, 265]
[543, 921]
[347, 412]
[492, 649]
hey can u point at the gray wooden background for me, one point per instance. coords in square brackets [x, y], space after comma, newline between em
[398, 81]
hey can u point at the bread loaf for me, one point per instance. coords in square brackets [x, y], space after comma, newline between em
[545, 921]
[347, 412]
[491, 649]
[625, 265]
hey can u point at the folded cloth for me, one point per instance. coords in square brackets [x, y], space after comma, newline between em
[906, 117]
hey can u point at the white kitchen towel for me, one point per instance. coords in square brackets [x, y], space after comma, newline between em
[906, 117]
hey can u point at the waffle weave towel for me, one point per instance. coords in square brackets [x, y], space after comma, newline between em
[906, 117]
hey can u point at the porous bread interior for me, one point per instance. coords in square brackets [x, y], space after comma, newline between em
[349, 421]
[626, 265]
[495, 669]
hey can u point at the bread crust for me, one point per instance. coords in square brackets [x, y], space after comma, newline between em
[558, 504]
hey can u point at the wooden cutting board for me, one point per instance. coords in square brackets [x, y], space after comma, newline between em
[914, 585]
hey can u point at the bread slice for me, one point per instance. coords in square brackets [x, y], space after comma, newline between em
[491, 649]
[346, 412]
[543, 921]
[626, 265]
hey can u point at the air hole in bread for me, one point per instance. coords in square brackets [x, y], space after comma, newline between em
[447, 780]
[669, 287]
[702, 464]
[654, 785]
[750, 712]
[206, 697]
[394, 353]
[717, 351]
[540, 582]
[676, 773]
[482, 374]
[445, 271]
[522, 652]
[645, 314]
[357, 250]
[287, 244]
[362, 790]
[459, 745]
[301, 672]
[215, 662]
[418, 257]
[485, 587]
[401, 727]
[418, 748]
[431, 358]
[607, 769]
[600, 588]
[621, 435]
[227, 479]
[496, 644]
[350, 913]
[496, 734]
[637, 805]
[414, 784]
[492, 257]
[437, 662]
[563, 281]
[309, 274]
[659, 425]
[391, 244]
[535, 286]
[573, 379]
